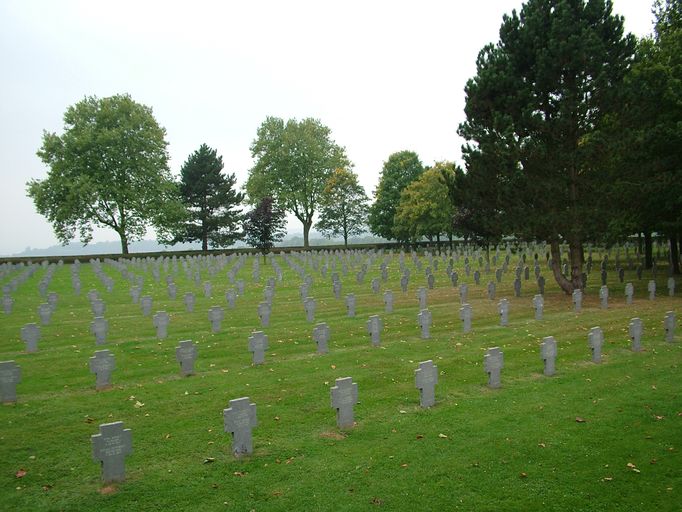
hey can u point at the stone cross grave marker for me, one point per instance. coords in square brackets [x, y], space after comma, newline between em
[45, 313]
[671, 286]
[498, 275]
[145, 304]
[303, 290]
[10, 376]
[98, 307]
[189, 300]
[240, 286]
[639, 269]
[541, 285]
[463, 292]
[465, 314]
[208, 289]
[161, 320]
[388, 301]
[517, 287]
[621, 274]
[186, 355]
[93, 295]
[7, 302]
[424, 319]
[595, 340]
[240, 420]
[350, 304]
[503, 310]
[344, 396]
[669, 325]
[231, 297]
[425, 380]
[264, 309]
[215, 316]
[548, 352]
[431, 281]
[110, 448]
[99, 327]
[309, 306]
[493, 361]
[258, 344]
[172, 290]
[604, 277]
[374, 327]
[454, 278]
[52, 299]
[604, 297]
[135, 292]
[421, 297]
[635, 330]
[404, 281]
[491, 290]
[375, 285]
[477, 277]
[577, 300]
[538, 305]
[336, 288]
[629, 292]
[30, 334]
[651, 288]
[321, 337]
[102, 364]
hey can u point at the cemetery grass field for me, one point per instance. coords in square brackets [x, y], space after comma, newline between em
[593, 437]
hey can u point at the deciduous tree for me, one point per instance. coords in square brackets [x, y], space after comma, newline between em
[265, 225]
[108, 169]
[343, 209]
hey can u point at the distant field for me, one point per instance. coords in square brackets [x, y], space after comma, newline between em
[593, 437]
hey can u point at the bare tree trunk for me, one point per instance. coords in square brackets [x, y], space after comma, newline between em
[648, 250]
[306, 233]
[565, 284]
[674, 255]
[575, 252]
[124, 242]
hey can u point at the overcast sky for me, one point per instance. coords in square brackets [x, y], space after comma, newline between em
[383, 76]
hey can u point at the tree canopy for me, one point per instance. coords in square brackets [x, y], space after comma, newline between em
[108, 169]
[534, 115]
[293, 163]
[398, 172]
[344, 205]
[265, 225]
[424, 209]
[211, 201]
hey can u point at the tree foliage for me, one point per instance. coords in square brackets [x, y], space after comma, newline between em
[398, 172]
[424, 209]
[293, 162]
[211, 201]
[343, 203]
[108, 169]
[265, 225]
[534, 115]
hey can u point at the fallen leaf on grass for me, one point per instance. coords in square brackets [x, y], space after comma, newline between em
[239, 473]
[659, 418]
[208, 460]
[21, 473]
[47, 487]
[403, 465]
[607, 478]
[578, 419]
[109, 489]
[419, 436]
[442, 436]
[376, 501]
[139, 404]
[523, 474]
[542, 445]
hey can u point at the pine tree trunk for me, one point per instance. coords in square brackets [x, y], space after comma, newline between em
[648, 250]
[674, 254]
[565, 284]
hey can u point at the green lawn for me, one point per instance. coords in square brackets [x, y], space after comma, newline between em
[515, 448]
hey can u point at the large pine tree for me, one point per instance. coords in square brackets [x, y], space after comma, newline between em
[212, 202]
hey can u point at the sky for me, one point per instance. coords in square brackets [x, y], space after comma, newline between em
[383, 76]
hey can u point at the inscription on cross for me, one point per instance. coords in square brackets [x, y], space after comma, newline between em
[425, 379]
[110, 448]
[344, 396]
[102, 364]
[186, 355]
[240, 420]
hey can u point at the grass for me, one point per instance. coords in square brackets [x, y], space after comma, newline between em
[516, 448]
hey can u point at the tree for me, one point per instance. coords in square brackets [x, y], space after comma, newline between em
[293, 162]
[398, 172]
[108, 169]
[534, 114]
[343, 206]
[647, 138]
[265, 225]
[211, 202]
[425, 209]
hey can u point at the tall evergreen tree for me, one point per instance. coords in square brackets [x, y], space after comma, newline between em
[534, 113]
[265, 225]
[212, 202]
